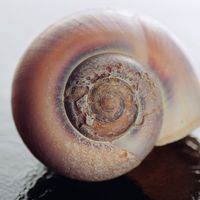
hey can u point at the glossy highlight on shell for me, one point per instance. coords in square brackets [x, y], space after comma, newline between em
[95, 92]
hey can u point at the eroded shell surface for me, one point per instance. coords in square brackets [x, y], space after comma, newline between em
[67, 118]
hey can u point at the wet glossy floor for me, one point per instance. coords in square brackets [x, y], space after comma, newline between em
[171, 172]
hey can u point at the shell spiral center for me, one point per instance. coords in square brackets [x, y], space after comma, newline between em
[103, 96]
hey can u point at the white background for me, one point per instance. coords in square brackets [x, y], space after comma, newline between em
[22, 20]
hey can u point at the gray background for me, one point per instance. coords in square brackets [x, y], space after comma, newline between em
[22, 20]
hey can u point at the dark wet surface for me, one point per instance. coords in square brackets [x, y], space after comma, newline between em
[171, 172]
[52, 186]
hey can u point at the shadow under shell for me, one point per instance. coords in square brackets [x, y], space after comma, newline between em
[171, 172]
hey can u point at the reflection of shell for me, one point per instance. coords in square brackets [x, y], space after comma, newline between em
[92, 94]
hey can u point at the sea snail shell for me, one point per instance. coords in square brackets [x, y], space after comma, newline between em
[95, 92]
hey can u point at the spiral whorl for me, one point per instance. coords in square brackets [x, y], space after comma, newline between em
[96, 106]
[103, 96]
